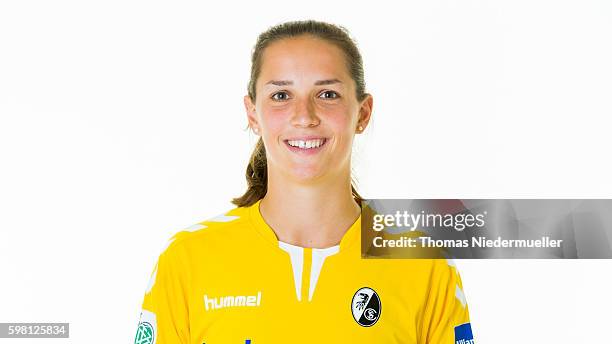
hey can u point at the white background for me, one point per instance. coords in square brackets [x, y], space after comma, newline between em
[122, 122]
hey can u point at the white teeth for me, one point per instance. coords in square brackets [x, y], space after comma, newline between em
[306, 144]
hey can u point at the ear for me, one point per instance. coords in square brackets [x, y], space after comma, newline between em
[365, 112]
[249, 107]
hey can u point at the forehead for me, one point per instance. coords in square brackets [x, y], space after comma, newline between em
[303, 57]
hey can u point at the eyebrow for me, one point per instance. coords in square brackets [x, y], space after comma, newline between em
[317, 83]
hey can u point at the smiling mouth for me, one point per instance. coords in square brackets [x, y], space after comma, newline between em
[306, 145]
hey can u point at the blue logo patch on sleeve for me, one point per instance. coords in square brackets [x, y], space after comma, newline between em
[463, 334]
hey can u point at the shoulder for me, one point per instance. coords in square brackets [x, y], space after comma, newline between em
[422, 276]
[208, 232]
[440, 270]
[424, 269]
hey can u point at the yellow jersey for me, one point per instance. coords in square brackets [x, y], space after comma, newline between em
[230, 280]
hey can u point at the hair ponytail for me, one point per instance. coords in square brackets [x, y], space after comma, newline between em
[256, 176]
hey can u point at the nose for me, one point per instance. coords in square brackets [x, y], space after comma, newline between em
[304, 115]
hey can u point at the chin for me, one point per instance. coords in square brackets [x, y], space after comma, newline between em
[305, 174]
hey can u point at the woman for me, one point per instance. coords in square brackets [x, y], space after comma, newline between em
[284, 266]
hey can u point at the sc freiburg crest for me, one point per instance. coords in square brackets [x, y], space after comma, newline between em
[366, 307]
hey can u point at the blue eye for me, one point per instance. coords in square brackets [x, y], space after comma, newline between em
[329, 95]
[280, 96]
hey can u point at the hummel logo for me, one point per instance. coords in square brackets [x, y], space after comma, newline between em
[232, 301]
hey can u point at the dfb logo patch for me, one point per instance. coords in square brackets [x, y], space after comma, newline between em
[147, 328]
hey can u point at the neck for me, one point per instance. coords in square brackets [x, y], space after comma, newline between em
[309, 215]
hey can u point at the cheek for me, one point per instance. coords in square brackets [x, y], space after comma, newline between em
[273, 118]
[342, 121]
[273, 121]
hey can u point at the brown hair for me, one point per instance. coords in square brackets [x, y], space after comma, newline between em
[256, 172]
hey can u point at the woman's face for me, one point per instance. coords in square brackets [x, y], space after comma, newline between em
[306, 108]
